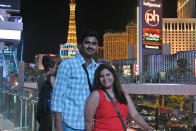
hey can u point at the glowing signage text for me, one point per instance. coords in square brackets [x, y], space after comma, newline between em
[151, 47]
[151, 37]
[151, 4]
[152, 18]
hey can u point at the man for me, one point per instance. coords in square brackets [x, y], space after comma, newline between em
[71, 87]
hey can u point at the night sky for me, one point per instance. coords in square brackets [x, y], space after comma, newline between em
[46, 22]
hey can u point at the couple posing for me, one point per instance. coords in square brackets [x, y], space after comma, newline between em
[75, 107]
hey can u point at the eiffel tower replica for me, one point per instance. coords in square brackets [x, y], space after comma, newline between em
[72, 24]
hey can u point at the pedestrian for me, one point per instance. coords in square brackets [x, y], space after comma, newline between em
[44, 114]
[111, 105]
[71, 89]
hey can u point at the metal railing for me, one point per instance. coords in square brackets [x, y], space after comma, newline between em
[20, 107]
[186, 77]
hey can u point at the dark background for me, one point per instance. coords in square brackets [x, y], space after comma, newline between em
[46, 22]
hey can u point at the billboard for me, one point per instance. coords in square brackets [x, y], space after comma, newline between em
[152, 38]
[152, 24]
[10, 4]
[152, 13]
[126, 70]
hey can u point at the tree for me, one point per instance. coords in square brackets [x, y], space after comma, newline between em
[180, 69]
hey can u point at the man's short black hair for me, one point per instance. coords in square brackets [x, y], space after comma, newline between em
[89, 33]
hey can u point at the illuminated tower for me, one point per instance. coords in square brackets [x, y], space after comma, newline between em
[72, 24]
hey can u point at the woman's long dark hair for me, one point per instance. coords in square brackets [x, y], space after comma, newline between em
[116, 85]
[47, 62]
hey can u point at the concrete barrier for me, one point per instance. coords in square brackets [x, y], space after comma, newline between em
[160, 89]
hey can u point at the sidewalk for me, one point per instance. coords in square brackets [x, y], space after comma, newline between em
[6, 125]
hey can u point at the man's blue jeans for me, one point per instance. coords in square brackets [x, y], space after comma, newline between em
[67, 128]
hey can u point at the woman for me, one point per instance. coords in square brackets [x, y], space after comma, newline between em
[44, 115]
[50, 68]
[98, 104]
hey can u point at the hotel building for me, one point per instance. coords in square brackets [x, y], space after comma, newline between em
[179, 33]
[115, 45]
[186, 8]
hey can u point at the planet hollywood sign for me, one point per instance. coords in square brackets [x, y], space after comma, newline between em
[152, 12]
[151, 24]
[152, 18]
[152, 36]
[151, 4]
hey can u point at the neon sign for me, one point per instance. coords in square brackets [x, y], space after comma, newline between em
[152, 36]
[152, 18]
[151, 14]
[151, 47]
[151, 5]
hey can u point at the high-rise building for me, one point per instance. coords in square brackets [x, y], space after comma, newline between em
[131, 29]
[186, 8]
[116, 44]
[72, 24]
[180, 33]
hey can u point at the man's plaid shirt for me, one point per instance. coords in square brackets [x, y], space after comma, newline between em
[71, 90]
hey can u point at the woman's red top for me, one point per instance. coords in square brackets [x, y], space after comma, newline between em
[106, 117]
